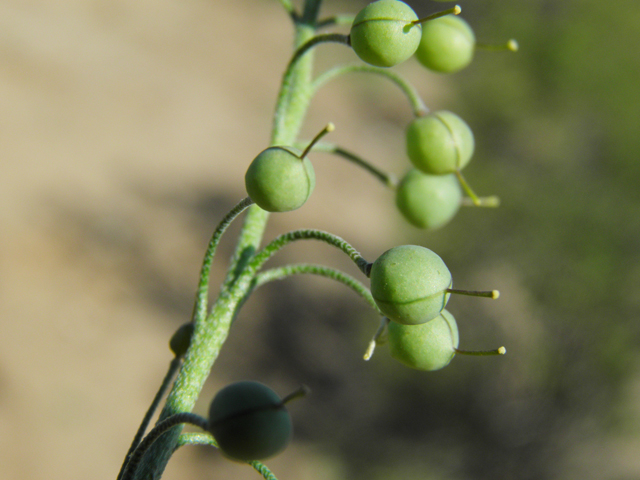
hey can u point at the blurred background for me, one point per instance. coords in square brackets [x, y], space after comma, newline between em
[125, 130]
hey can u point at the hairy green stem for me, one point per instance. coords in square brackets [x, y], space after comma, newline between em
[286, 271]
[173, 368]
[200, 306]
[160, 429]
[293, 102]
[211, 332]
[418, 107]
[309, 234]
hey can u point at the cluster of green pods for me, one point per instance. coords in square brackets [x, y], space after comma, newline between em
[439, 144]
[411, 286]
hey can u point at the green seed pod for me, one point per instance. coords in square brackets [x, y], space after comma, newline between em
[429, 346]
[249, 421]
[278, 180]
[181, 339]
[382, 33]
[409, 284]
[447, 44]
[439, 143]
[428, 201]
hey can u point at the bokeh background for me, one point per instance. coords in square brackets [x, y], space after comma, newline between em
[125, 130]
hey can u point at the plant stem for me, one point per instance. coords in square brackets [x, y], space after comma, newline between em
[173, 368]
[417, 105]
[211, 332]
[200, 306]
[388, 179]
[157, 432]
[309, 234]
[280, 273]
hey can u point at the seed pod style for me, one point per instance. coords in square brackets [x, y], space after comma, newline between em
[428, 201]
[439, 143]
[428, 346]
[447, 44]
[249, 421]
[278, 180]
[382, 33]
[409, 284]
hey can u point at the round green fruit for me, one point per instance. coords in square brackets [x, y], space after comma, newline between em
[429, 346]
[447, 44]
[249, 421]
[382, 33]
[409, 284]
[428, 201]
[278, 180]
[439, 143]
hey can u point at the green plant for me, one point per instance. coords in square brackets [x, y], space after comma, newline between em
[249, 421]
[281, 179]
[439, 143]
[447, 44]
[431, 345]
[428, 346]
[384, 33]
[412, 285]
[409, 284]
[428, 201]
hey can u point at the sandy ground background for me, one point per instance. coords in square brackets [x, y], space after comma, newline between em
[125, 130]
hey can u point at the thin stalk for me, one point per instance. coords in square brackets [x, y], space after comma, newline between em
[482, 353]
[200, 306]
[281, 241]
[468, 190]
[173, 368]
[418, 107]
[311, 12]
[388, 179]
[491, 201]
[160, 429]
[211, 332]
[451, 11]
[511, 46]
[384, 322]
[280, 273]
